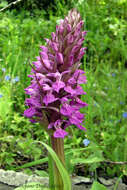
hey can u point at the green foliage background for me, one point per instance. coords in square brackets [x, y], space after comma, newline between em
[22, 30]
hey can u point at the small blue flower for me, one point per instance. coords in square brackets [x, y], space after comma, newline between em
[16, 79]
[1, 95]
[3, 69]
[121, 103]
[125, 115]
[7, 77]
[113, 74]
[86, 142]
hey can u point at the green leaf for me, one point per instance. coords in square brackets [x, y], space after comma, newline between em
[62, 170]
[50, 167]
[41, 173]
[4, 108]
[98, 186]
[5, 102]
[3, 4]
[86, 161]
[34, 163]
[28, 171]
[69, 165]
[121, 1]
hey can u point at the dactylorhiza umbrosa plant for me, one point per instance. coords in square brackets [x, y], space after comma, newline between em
[55, 89]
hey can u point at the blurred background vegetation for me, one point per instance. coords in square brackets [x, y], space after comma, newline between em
[23, 27]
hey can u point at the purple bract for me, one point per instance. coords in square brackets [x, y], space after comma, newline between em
[55, 89]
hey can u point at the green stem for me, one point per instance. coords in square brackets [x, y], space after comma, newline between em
[58, 147]
[50, 166]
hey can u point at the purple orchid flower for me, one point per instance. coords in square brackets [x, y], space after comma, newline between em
[55, 89]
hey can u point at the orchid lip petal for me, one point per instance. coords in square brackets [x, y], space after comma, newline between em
[49, 98]
[58, 85]
[60, 133]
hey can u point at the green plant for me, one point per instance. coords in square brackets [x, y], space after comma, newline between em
[21, 33]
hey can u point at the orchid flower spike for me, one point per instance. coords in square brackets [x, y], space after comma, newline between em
[55, 89]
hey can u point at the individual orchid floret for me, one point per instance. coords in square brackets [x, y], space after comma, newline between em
[55, 89]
